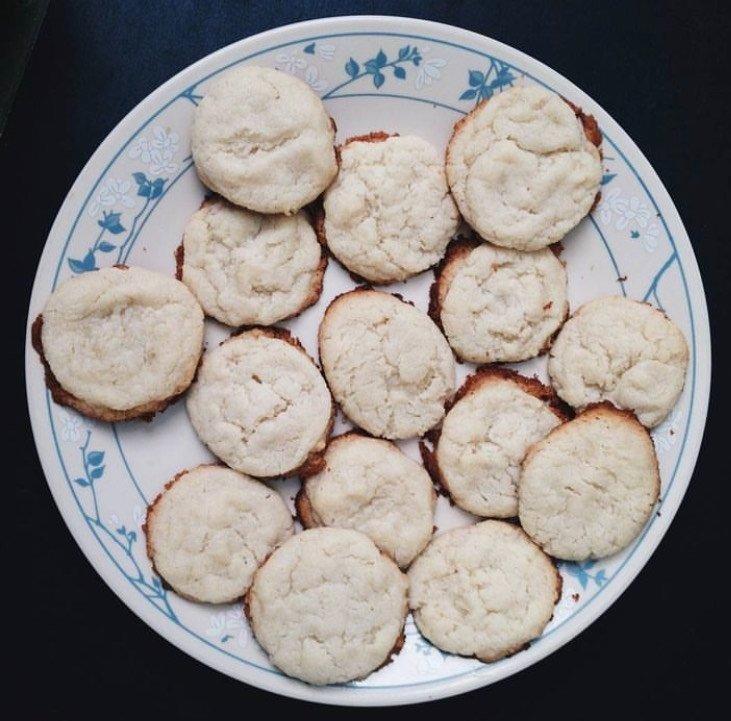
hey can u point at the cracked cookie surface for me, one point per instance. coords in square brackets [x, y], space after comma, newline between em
[370, 485]
[251, 269]
[120, 342]
[624, 351]
[386, 362]
[485, 436]
[484, 591]
[260, 404]
[328, 606]
[210, 528]
[497, 304]
[263, 140]
[524, 167]
[389, 214]
[588, 488]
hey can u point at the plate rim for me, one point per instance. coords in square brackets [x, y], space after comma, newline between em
[573, 626]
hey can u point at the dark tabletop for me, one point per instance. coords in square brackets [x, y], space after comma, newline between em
[660, 70]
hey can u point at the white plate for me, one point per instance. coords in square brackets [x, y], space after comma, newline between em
[130, 204]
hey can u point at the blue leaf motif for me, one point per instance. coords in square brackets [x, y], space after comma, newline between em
[122, 530]
[476, 78]
[634, 234]
[404, 52]
[381, 59]
[399, 73]
[370, 66]
[95, 458]
[140, 178]
[485, 93]
[81, 481]
[582, 576]
[97, 472]
[110, 222]
[608, 177]
[468, 94]
[310, 49]
[600, 578]
[106, 247]
[352, 68]
[156, 188]
[82, 266]
[378, 79]
[589, 564]
[416, 59]
[132, 536]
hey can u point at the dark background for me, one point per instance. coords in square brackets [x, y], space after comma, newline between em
[660, 69]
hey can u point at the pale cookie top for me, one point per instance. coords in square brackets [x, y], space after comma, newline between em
[328, 606]
[260, 403]
[372, 486]
[485, 590]
[620, 350]
[210, 528]
[389, 213]
[262, 139]
[387, 364]
[499, 305]
[522, 169]
[122, 339]
[485, 436]
[251, 269]
[588, 488]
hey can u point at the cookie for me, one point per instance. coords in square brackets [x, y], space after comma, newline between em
[497, 416]
[484, 591]
[260, 404]
[623, 351]
[588, 488]
[328, 606]
[370, 485]
[210, 528]
[119, 343]
[389, 214]
[251, 269]
[263, 140]
[498, 304]
[386, 363]
[524, 167]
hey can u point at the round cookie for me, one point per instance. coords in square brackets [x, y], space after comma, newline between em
[119, 343]
[499, 305]
[386, 363]
[588, 488]
[210, 528]
[524, 167]
[623, 351]
[261, 405]
[497, 415]
[250, 269]
[370, 485]
[263, 140]
[328, 606]
[484, 591]
[389, 214]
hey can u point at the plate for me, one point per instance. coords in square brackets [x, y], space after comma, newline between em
[130, 204]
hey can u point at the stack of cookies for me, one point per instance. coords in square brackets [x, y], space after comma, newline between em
[560, 471]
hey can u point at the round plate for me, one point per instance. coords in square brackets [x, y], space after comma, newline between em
[130, 204]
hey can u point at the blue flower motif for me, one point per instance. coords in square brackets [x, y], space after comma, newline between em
[483, 85]
[110, 222]
[149, 188]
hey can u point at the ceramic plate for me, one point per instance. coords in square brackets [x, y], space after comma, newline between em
[129, 205]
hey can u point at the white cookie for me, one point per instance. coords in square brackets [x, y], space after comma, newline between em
[485, 435]
[386, 363]
[389, 214]
[524, 167]
[210, 528]
[260, 403]
[370, 485]
[499, 305]
[120, 342]
[328, 606]
[589, 487]
[485, 590]
[263, 140]
[623, 351]
[251, 269]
